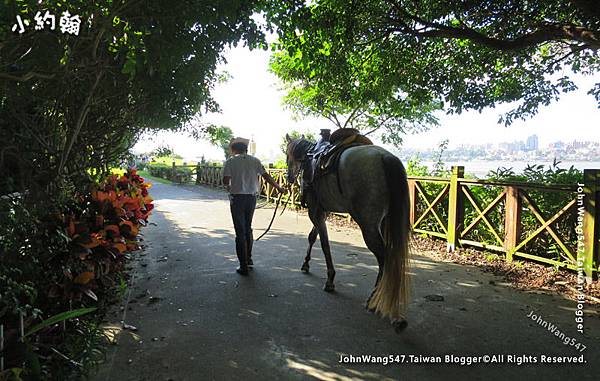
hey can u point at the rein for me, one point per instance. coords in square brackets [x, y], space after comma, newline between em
[295, 177]
[272, 218]
[274, 214]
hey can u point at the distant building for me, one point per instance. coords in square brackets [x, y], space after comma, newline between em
[532, 143]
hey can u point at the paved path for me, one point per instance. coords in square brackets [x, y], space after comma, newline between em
[198, 320]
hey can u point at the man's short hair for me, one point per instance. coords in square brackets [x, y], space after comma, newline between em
[239, 147]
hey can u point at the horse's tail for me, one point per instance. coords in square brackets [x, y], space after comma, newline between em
[391, 295]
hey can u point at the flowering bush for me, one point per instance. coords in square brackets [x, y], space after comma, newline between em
[104, 230]
[60, 260]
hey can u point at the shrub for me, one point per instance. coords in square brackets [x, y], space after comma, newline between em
[60, 260]
[164, 171]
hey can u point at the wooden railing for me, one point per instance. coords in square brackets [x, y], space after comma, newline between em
[504, 217]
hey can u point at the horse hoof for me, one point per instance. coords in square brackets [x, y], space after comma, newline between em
[305, 268]
[399, 325]
[329, 287]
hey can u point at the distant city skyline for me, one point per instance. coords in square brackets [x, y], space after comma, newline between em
[251, 105]
[527, 150]
[531, 143]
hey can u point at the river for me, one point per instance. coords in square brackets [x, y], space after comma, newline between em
[480, 168]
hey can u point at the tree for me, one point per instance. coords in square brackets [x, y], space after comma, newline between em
[220, 136]
[359, 102]
[466, 54]
[163, 151]
[71, 105]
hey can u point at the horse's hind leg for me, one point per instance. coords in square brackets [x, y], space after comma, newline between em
[312, 237]
[374, 242]
[317, 216]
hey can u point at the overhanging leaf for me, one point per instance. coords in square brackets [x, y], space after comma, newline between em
[58, 318]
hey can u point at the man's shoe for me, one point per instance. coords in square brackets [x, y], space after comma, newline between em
[250, 263]
[242, 270]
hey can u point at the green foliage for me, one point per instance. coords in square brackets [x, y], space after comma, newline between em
[403, 55]
[163, 151]
[438, 167]
[29, 239]
[552, 174]
[280, 164]
[414, 167]
[69, 104]
[58, 257]
[220, 136]
[70, 109]
[323, 78]
[59, 318]
[165, 171]
[145, 174]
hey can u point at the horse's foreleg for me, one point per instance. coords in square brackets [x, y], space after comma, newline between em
[317, 217]
[312, 237]
[329, 286]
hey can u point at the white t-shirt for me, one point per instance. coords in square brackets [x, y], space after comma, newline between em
[244, 170]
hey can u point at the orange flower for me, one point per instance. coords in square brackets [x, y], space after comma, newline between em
[84, 277]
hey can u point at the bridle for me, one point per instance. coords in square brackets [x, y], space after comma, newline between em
[304, 157]
[290, 183]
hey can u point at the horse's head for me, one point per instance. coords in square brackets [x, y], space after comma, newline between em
[295, 156]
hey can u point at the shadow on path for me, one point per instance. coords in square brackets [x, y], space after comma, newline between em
[198, 320]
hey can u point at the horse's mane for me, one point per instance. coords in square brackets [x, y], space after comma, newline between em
[300, 148]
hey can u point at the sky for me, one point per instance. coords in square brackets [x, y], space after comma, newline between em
[252, 107]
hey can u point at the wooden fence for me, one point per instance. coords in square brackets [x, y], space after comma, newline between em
[509, 218]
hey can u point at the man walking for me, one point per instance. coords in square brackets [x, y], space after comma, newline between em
[240, 176]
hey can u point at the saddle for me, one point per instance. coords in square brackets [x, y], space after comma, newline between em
[325, 156]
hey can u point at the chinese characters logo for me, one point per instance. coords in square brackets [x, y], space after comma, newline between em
[67, 23]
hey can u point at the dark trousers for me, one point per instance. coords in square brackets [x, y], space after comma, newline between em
[242, 211]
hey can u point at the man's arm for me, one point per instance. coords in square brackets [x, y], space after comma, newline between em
[227, 175]
[268, 178]
[227, 182]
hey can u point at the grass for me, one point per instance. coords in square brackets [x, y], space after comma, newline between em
[170, 160]
[146, 175]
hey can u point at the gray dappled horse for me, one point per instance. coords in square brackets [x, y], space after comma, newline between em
[373, 188]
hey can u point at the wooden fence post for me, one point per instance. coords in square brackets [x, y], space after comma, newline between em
[512, 221]
[412, 196]
[456, 208]
[590, 228]
[173, 172]
[198, 174]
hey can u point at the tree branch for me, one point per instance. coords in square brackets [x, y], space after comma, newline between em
[80, 120]
[352, 114]
[373, 130]
[27, 77]
[546, 32]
